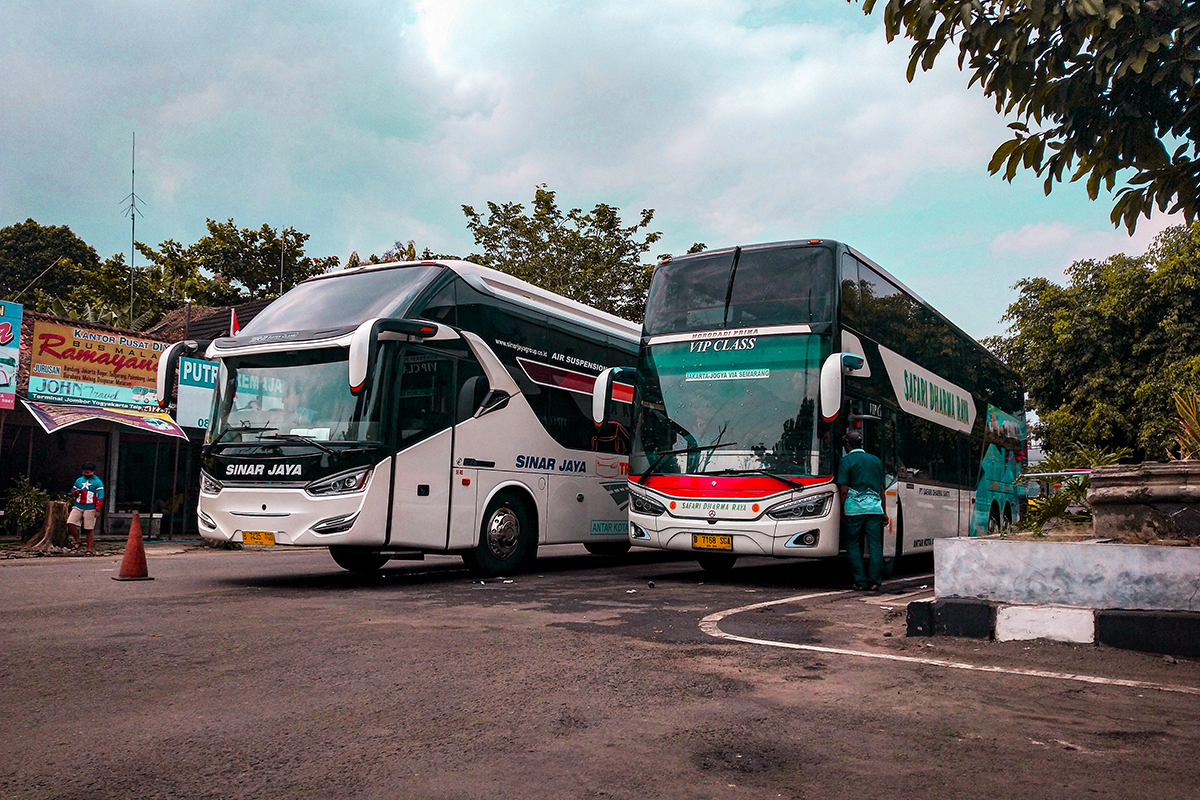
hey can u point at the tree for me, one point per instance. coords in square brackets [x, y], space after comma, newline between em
[591, 258]
[1100, 87]
[28, 249]
[102, 295]
[253, 263]
[1103, 356]
[226, 267]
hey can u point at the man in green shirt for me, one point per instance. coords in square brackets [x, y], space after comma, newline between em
[861, 484]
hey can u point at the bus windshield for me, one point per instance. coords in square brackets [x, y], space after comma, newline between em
[740, 404]
[344, 299]
[749, 287]
[300, 396]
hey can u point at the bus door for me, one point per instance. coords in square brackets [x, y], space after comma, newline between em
[877, 424]
[966, 494]
[424, 398]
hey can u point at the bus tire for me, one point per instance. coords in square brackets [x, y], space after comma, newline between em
[507, 539]
[1006, 520]
[716, 563]
[359, 560]
[994, 519]
[607, 548]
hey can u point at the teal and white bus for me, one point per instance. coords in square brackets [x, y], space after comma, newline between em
[753, 363]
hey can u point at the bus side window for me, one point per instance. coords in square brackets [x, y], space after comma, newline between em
[850, 295]
[472, 389]
[441, 307]
[424, 402]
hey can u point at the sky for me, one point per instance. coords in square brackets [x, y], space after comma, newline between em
[364, 122]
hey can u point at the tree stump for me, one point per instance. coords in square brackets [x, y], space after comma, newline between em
[54, 530]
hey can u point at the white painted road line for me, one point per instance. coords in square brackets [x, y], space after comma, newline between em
[709, 625]
[875, 599]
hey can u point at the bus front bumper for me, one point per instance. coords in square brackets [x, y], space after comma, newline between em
[285, 517]
[804, 538]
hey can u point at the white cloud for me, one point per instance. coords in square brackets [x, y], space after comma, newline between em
[747, 129]
[1033, 238]
[1056, 245]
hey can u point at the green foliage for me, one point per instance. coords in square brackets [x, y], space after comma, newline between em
[232, 265]
[24, 507]
[1102, 356]
[1187, 425]
[1069, 499]
[27, 249]
[228, 266]
[101, 294]
[1100, 86]
[591, 258]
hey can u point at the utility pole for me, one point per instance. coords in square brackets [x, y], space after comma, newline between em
[132, 212]
[282, 249]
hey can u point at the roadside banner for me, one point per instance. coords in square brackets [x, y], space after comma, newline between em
[197, 379]
[53, 417]
[87, 367]
[10, 351]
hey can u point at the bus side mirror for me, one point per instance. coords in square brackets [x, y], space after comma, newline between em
[837, 365]
[168, 363]
[610, 382]
[364, 344]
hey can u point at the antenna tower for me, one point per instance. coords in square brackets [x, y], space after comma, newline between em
[132, 211]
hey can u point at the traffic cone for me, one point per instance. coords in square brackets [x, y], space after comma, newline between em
[133, 565]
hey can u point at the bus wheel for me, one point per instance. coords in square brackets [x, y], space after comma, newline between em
[716, 563]
[360, 560]
[507, 540]
[607, 548]
[1006, 522]
[994, 520]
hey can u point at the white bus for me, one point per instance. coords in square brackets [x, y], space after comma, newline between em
[756, 360]
[399, 409]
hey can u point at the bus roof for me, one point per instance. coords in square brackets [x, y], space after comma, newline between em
[500, 284]
[860, 256]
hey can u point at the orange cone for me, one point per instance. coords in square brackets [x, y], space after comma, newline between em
[133, 565]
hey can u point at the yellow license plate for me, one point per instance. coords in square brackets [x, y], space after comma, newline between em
[258, 537]
[707, 541]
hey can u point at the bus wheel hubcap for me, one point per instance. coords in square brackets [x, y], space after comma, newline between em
[502, 533]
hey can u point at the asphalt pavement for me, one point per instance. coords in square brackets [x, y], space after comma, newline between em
[271, 672]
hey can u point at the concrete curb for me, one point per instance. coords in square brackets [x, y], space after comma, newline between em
[1175, 633]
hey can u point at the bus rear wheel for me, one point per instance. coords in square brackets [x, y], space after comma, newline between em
[359, 560]
[716, 563]
[607, 548]
[507, 540]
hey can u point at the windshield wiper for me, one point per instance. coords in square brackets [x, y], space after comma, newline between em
[296, 437]
[243, 429]
[760, 471]
[701, 448]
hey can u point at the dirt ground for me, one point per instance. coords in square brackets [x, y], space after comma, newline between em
[272, 673]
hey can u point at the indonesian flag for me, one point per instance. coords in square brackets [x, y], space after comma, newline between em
[233, 323]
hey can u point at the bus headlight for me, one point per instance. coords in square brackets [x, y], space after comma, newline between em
[342, 483]
[804, 508]
[209, 484]
[644, 505]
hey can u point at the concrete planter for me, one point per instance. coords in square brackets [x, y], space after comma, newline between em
[1074, 574]
[1147, 501]
[1133, 596]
